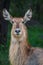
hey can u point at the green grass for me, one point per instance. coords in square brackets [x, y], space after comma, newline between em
[35, 37]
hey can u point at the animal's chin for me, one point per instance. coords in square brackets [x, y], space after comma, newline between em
[17, 35]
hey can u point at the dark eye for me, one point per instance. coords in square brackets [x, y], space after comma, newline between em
[22, 21]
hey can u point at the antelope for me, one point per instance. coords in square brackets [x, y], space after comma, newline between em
[20, 51]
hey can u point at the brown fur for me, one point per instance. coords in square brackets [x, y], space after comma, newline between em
[20, 52]
[20, 48]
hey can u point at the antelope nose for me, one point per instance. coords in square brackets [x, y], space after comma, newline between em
[17, 31]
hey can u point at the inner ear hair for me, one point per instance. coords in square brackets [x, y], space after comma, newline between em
[7, 16]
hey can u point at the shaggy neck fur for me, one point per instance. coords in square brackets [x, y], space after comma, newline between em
[19, 50]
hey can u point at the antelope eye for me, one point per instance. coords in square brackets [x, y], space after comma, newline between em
[23, 22]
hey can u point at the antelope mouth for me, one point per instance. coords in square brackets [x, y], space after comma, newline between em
[17, 35]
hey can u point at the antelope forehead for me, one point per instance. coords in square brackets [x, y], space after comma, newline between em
[19, 24]
[17, 19]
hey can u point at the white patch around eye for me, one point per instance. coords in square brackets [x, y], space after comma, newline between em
[22, 19]
[14, 24]
[12, 19]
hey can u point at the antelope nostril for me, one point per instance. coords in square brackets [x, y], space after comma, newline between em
[17, 31]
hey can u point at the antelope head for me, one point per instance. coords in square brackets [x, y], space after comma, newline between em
[18, 28]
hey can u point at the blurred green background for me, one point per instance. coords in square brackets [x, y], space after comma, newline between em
[35, 32]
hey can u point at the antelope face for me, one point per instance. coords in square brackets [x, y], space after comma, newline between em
[18, 27]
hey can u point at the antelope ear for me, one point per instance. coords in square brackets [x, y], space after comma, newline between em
[7, 16]
[28, 15]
